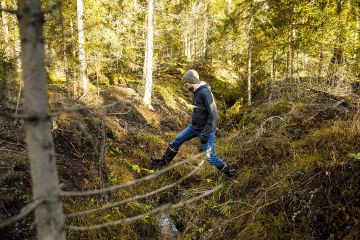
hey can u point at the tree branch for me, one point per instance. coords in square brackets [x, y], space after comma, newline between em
[11, 11]
[23, 213]
[154, 211]
[130, 183]
[78, 214]
[55, 113]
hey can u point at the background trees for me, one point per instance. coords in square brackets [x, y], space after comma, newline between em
[287, 39]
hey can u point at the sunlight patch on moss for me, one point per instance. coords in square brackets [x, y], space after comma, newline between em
[304, 162]
[168, 95]
[151, 142]
[253, 231]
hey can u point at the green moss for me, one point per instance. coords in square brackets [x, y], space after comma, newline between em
[254, 117]
[277, 108]
[56, 78]
[228, 149]
[355, 156]
[168, 95]
[327, 140]
[229, 93]
[253, 231]
[275, 226]
[150, 142]
[305, 162]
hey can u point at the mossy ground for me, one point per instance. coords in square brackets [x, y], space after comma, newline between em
[298, 172]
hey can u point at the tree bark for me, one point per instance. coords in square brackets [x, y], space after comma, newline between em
[357, 37]
[249, 72]
[49, 216]
[148, 62]
[149, 51]
[250, 54]
[293, 35]
[73, 52]
[206, 34]
[321, 63]
[273, 70]
[84, 83]
[66, 66]
[288, 55]
[229, 6]
[5, 26]
[272, 75]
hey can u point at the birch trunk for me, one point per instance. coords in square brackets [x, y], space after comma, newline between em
[273, 70]
[293, 34]
[73, 52]
[84, 83]
[229, 5]
[5, 26]
[17, 57]
[186, 45]
[249, 72]
[288, 55]
[49, 216]
[321, 63]
[272, 77]
[357, 37]
[148, 62]
[250, 54]
[205, 40]
[66, 66]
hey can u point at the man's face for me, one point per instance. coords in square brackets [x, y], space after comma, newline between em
[189, 85]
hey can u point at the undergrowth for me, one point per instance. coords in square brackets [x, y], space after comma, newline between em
[297, 165]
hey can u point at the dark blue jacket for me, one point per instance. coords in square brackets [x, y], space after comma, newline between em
[205, 111]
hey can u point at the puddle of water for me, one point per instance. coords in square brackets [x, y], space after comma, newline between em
[168, 227]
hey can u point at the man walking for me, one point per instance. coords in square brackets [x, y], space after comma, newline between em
[203, 125]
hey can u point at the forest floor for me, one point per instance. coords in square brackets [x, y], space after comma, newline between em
[297, 159]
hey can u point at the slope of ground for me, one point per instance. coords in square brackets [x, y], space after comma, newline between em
[297, 163]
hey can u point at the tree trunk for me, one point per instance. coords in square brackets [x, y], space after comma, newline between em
[5, 27]
[229, 5]
[250, 54]
[49, 216]
[196, 44]
[249, 73]
[288, 55]
[273, 70]
[186, 45]
[272, 75]
[84, 83]
[321, 63]
[293, 34]
[17, 57]
[73, 51]
[148, 62]
[66, 66]
[206, 33]
[187, 39]
[357, 37]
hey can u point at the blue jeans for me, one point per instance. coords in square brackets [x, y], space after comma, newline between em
[189, 133]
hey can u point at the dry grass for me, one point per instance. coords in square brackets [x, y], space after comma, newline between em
[289, 178]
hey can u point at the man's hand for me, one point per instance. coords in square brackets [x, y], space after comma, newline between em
[204, 138]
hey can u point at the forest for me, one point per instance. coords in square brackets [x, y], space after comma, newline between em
[97, 96]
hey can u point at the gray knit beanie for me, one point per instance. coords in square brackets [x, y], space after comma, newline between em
[191, 76]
